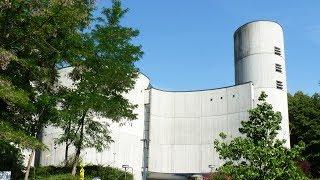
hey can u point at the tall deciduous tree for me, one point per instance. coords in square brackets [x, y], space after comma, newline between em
[106, 72]
[259, 155]
[304, 116]
[35, 37]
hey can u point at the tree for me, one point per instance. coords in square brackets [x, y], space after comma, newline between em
[11, 159]
[259, 155]
[15, 114]
[105, 73]
[12, 101]
[36, 36]
[304, 116]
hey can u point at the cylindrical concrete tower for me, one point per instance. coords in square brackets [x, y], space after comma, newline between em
[260, 58]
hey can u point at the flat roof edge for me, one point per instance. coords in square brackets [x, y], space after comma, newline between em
[210, 89]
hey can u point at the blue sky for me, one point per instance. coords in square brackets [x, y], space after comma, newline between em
[188, 44]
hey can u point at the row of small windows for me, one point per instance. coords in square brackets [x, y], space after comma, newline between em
[222, 97]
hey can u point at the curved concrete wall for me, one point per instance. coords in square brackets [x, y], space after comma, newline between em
[183, 126]
[127, 147]
[259, 48]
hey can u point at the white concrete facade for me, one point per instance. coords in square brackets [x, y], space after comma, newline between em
[175, 130]
[183, 126]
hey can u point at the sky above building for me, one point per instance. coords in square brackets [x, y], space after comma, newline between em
[188, 45]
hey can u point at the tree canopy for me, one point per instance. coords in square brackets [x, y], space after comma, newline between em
[35, 37]
[258, 154]
[40, 36]
[304, 116]
[104, 74]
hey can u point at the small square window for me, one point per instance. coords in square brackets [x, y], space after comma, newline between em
[278, 68]
[279, 85]
[277, 51]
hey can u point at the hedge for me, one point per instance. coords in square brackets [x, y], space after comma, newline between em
[90, 171]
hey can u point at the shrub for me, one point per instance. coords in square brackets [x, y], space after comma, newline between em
[58, 177]
[219, 176]
[104, 172]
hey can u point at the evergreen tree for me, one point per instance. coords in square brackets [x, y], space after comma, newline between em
[258, 154]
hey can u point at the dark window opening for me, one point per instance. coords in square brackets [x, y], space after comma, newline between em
[278, 68]
[211, 99]
[221, 98]
[277, 51]
[279, 85]
[233, 95]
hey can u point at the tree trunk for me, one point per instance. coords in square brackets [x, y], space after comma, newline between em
[75, 162]
[37, 155]
[26, 175]
[68, 142]
[79, 145]
[66, 153]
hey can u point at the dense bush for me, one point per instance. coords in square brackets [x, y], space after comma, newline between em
[219, 176]
[57, 177]
[11, 160]
[104, 172]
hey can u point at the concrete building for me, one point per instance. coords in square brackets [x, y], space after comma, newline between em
[174, 133]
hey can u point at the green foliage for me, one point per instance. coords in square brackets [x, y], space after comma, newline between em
[259, 155]
[263, 123]
[105, 173]
[8, 92]
[59, 177]
[105, 73]
[40, 36]
[304, 116]
[13, 101]
[36, 37]
[219, 176]
[11, 159]
[21, 139]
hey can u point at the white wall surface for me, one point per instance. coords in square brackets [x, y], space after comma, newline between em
[183, 126]
[260, 70]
